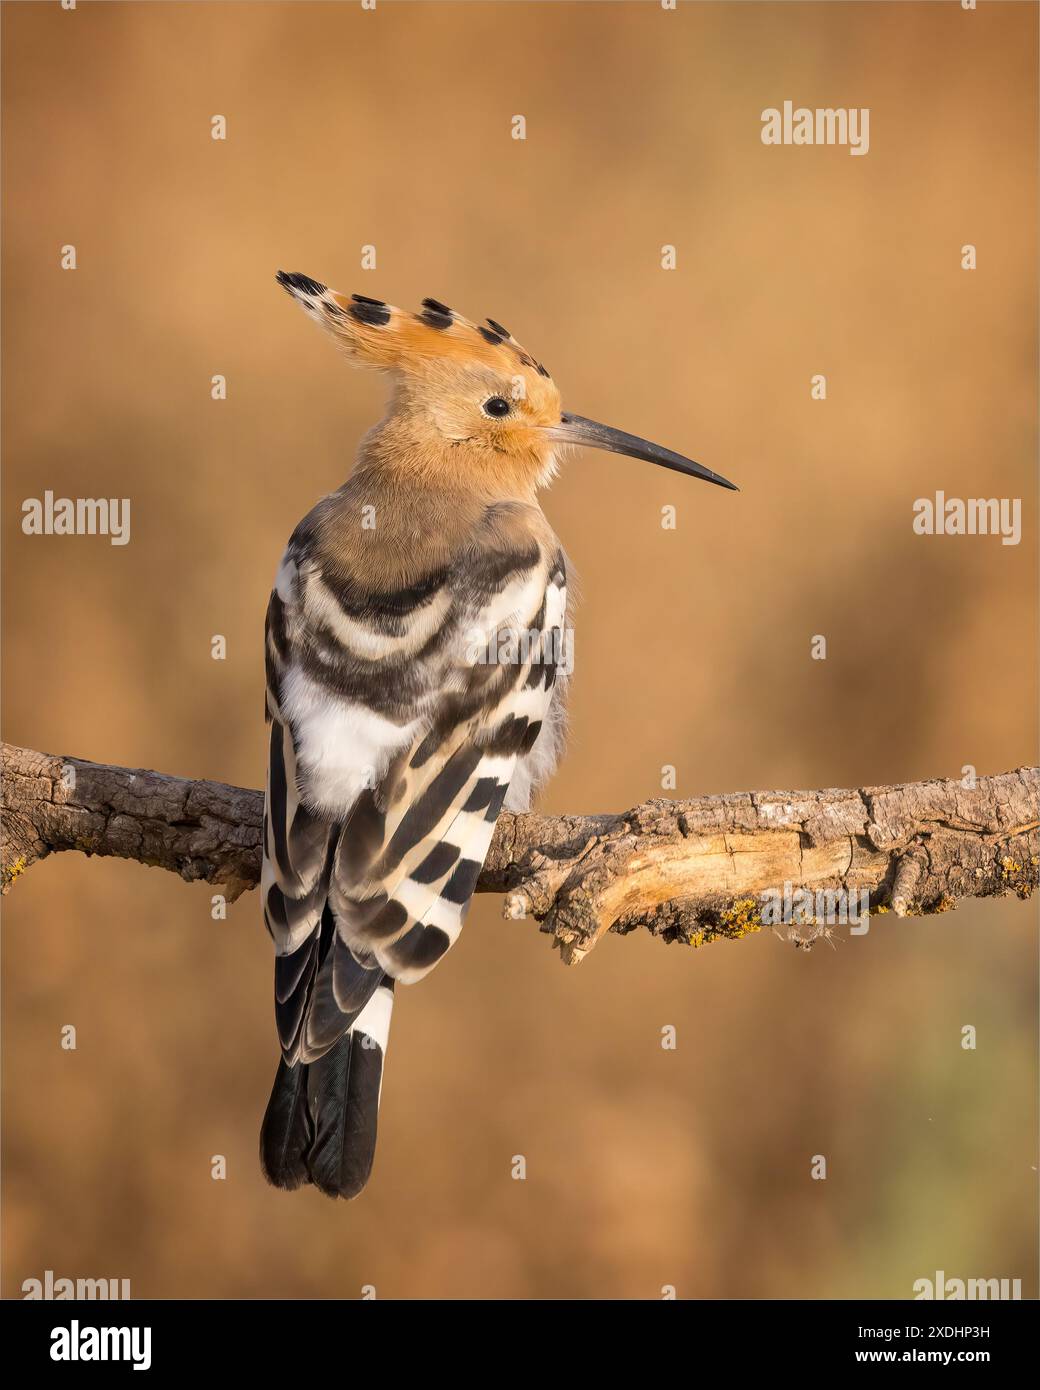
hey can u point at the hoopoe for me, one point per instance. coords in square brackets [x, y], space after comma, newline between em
[414, 690]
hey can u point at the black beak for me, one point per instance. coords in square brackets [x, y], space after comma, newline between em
[575, 429]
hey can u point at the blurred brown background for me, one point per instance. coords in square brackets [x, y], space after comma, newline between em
[645, 1167]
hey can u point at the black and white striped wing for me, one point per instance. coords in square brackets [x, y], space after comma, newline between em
[380, 893]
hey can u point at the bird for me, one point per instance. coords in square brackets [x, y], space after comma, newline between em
[416, 679]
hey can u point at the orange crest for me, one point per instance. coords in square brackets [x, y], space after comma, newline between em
[379, 335]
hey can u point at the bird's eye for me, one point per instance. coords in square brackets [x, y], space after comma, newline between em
[496, 406]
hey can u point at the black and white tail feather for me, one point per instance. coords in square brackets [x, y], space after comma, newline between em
[397, 728]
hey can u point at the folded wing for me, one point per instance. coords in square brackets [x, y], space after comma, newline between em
[398, 720]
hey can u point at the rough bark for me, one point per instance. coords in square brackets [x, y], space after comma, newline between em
[690, 871]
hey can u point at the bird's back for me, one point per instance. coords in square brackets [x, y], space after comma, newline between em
[412, 645]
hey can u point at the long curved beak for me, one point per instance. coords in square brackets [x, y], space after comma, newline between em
[575, 429]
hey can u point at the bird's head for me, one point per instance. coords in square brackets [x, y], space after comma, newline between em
[466, 396]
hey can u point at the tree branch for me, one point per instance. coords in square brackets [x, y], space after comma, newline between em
[690, 871]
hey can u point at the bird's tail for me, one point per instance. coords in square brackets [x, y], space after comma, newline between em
[320, 1125]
